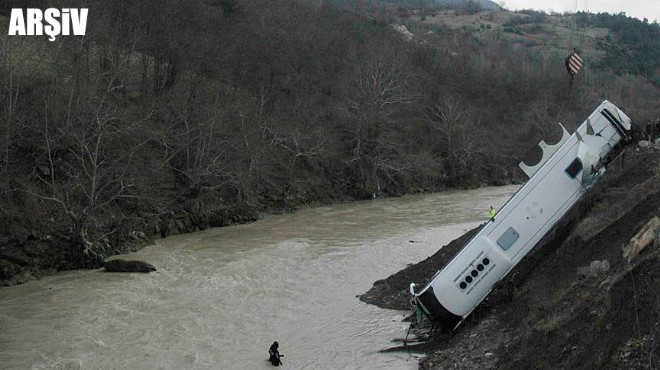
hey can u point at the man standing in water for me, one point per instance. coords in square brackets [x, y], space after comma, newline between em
[275, 354]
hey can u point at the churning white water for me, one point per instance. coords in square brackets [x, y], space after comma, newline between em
[220, 297]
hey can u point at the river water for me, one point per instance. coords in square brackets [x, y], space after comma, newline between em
[220, 297]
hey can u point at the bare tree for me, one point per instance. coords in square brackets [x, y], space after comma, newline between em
[13, 65]
[380, 88]
[197, 147]
[457, 130]
[88, 165]
[298, 144]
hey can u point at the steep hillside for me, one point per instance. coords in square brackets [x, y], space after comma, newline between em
[553, 311]
[606, 42]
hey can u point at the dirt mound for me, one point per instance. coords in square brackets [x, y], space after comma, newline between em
[546, 314]
[393, 292]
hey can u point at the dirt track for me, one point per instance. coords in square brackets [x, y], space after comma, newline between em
[546, 315]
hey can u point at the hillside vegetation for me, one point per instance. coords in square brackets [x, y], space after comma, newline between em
[172, 116]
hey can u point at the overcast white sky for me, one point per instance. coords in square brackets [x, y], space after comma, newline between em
[641, 9]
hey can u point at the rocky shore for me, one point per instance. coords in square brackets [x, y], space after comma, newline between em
[28, 254]
[574, 301]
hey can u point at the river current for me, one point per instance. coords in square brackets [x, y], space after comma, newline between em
[220, 297]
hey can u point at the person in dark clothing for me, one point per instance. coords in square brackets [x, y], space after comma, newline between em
[275, 354]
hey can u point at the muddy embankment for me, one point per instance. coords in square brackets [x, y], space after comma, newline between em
[552, 311]
[31, 253]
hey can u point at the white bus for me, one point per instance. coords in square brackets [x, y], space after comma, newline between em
[555, 184]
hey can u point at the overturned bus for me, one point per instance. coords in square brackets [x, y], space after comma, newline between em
[555, 184]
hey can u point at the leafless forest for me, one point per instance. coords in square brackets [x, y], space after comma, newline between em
[224, 109]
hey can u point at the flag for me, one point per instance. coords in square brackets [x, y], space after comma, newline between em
[574, 63]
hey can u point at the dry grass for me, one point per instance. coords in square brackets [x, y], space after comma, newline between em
[554, 37]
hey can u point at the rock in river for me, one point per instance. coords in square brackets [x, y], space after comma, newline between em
[128, 266]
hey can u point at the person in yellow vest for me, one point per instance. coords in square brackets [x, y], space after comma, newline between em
[491, 213]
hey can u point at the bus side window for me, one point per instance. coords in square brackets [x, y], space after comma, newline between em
[508, 238]
[574, 168]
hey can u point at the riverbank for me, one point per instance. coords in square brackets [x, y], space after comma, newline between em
[39, 243]
[29, 253]
[549, 313]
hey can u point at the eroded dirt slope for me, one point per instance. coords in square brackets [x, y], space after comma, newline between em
[545, 314]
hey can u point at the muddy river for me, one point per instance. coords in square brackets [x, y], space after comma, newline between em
[220, 297]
